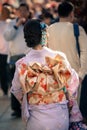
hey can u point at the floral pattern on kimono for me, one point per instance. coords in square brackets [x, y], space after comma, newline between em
[44, 84]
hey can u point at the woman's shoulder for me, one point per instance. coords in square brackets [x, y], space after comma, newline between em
[61, 54]
[54, 52]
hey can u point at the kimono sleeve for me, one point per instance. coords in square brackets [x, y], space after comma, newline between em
[16, 88]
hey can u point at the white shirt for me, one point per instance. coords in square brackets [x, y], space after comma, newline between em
[4, 46]
[61, 38]
[17, 44]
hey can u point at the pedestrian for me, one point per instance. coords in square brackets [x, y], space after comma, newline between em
[46, 17]
[83, 103]
[17, 47]
[4, 50]
[61, 38]
[40, 82]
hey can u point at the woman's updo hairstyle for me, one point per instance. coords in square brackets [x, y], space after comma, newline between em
[32, 32]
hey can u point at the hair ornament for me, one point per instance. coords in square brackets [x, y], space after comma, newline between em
[43, 26]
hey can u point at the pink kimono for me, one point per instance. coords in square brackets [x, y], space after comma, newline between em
[42, 86]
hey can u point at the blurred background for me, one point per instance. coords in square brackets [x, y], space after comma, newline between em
[37, 5]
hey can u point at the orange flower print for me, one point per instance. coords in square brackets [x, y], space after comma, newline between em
[23, 65]
[61, 96]
[55, 83]
[23, 71]
[50, 66]
[41, 80]
[29, 74]
[32, 83]
[44, 86]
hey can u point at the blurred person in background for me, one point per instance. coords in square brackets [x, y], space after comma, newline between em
[46, 17]
[4, 50]
[17, 46]
[81, 18]
[61, 37]
[81, 15]
[83, 99]
[11, 9]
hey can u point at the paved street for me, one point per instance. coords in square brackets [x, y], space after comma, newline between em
[6, 121]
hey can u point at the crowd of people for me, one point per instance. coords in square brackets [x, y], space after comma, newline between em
[39, 61]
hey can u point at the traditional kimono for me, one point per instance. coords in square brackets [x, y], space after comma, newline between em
[41, 82]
